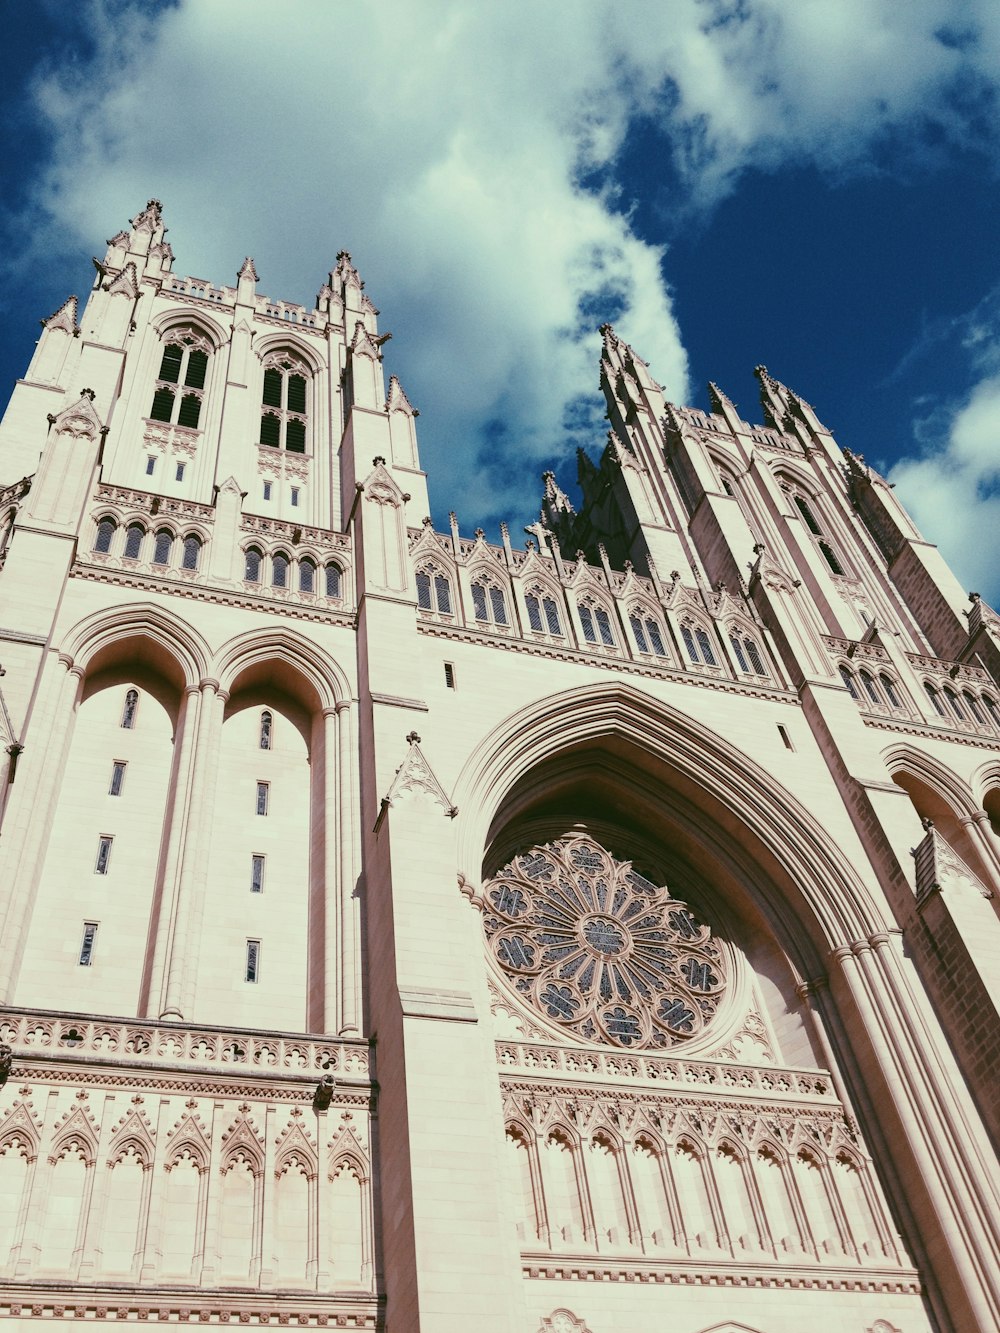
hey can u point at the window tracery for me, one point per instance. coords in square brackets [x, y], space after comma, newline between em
[488, 602]
[748, 655]
[180, 386]
[596, 623]
[284, 413]
[600, 949]
[647, 632]
[433, 590]
[697, 644]
[543, 613]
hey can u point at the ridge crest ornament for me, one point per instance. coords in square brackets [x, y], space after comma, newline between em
[601, 950]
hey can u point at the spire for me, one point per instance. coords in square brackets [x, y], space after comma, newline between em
[246, 280]
[397, 401]
[722, 405]
[64, 318]
[248, 270]
[148, 231]
[782, 406]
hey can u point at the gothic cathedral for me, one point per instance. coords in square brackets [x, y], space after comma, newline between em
[406, 931]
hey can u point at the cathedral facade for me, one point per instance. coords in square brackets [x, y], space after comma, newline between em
[403, 930]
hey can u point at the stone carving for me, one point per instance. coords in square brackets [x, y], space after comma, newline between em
[414, 776]
[6, 1061]
[600, 949]
[563, 1321]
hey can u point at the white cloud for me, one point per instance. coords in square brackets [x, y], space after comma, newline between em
[442, 143]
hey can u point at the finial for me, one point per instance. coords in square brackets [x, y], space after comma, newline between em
[88, 393]
[248, 270]
[378, 461]
[413, 738]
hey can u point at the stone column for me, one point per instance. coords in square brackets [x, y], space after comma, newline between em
[185, 929]
[946, 1152]
[32, 807]
[332, 898]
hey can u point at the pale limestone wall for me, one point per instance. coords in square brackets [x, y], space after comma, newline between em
[817, 1153]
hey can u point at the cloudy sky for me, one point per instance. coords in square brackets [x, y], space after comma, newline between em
[808, 184]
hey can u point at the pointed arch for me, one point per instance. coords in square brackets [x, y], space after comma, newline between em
[169, 636]
[181, 317]
[326, 678]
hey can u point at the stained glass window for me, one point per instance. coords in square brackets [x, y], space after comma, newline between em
[601, 950]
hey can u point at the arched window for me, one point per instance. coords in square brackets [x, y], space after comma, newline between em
[333, 576]
[817, 530]
[307, 576]
[105, 535]
[848, 678]
[266, 724]
[180, 385]
[954, 705]
[161, 547]
[646, 630]
[972, 703]
[133, 541]
[698, 645]
[993, 709]
[891, 693]
[747, 654]
[596, 624]
[283, 405]
[934, 697]
[808, 516]
[192, 552]
[129, 711]
[251, 567]
[279, 570]
[488, 602]
[870, 689]
[433, 590]
[543, 614]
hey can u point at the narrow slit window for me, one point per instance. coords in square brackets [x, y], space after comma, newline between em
[808, 516]
[449, 676]
[150, 464]
[827, 550]
[103, 855]
[295, 497]
[786, 739]
[266, 725]
[267, 490]
[252, 971]
[179, 472]
[129, 711]
[117, 778]
[88, 943]
[263, 797]
[256, 873]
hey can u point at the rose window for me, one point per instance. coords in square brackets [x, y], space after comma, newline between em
[600, 949]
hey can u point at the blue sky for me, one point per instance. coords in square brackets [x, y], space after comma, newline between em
[809, 185]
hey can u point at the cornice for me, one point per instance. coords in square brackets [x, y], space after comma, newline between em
[118, 1301]
[717, 1273]
[931, 732]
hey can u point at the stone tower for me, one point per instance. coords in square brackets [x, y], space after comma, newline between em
[406, 931]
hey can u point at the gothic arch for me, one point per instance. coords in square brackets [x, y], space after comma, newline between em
[170, 637]
[755, 820]
[941, 779]
[267, 343]
[181, 317]
[297, 654]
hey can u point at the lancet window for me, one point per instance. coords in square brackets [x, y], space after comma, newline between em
[817, 530]
[161, 547]
[105, 535]
[133, 541]
[433, 590]
[284, 411]
[192, 552]
[488, 603]
[747, 654]
[596, 623]
[543, 613]
[251, 565]
[333, 578]
[180, 385]
[647, 632]
[697, 644]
